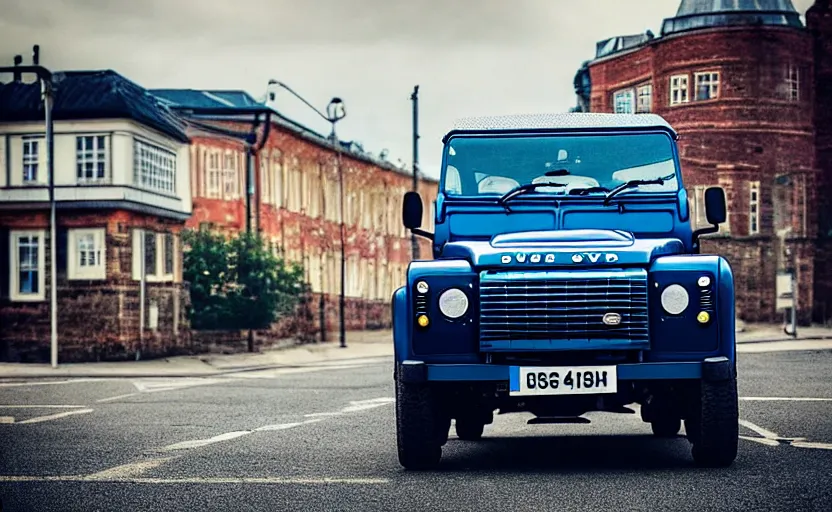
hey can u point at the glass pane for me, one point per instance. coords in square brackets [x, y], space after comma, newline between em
[28, 282]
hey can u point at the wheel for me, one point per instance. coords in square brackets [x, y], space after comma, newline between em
[666, 426]
[421, 429]
[713, 428]
[469, 429]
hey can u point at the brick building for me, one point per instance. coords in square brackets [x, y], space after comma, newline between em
[295, 203]
[122, 196]
[748, 88]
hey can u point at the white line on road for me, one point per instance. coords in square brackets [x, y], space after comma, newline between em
[197, 443]
[5, 420]
[768, 434]
[42, 406]
[51, 417]
[112, 398]
[762, 440]
[202, 480]
[284, 426]
[807, 444]
[783, 399]
[47, 383]
[132, 470]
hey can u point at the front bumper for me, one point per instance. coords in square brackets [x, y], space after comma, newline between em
[711, 369]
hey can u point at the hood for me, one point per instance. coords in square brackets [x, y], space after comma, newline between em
[558, 248]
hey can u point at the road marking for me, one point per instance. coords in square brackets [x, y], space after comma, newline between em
[807, 444]
[42, 406]
[197, 443]
[284, 426]
[762, 440]
[5, 420]
[783, 399]
[112, 398]
[47, 383]
[131, 470]
[58, 416]
[768, 434]
[362, 405]
[202, 480]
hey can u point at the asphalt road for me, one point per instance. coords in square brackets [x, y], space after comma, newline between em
[323, 438]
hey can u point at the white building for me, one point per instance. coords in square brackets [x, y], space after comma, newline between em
[122, 171]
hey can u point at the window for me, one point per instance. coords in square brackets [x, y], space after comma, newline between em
[707, 86]
[159, 251]
[87, 254]
[154, 167]
[231, 177]
[212, 179]
[31, 160]
[645, 99]
[91, 158]
[678, 89]
[265, 180]
[792, 83]
[753, 207]
[28, 265]
[624, 102]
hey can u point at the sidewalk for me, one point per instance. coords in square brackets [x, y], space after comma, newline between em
[766, 333]
[360, 345]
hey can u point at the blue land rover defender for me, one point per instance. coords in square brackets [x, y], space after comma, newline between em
[566, 278]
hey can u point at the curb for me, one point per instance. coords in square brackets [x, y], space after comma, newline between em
[777, 340]
[178, 375]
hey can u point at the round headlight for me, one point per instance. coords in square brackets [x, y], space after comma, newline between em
[675, 299]
[453, 303]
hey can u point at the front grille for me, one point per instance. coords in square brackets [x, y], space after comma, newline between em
[563, 305]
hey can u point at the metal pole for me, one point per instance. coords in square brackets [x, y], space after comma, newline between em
[46, 87]
[414, 243]
[343, 241]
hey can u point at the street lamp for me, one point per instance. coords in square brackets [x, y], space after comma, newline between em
[335, 111]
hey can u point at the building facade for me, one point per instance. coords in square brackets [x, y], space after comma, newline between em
[744, 85]
[122, 194]
[296, 204]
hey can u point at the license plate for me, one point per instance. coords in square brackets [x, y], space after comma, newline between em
[562, 380]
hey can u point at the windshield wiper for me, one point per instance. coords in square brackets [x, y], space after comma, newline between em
[589, 190]
[635, 183]
[522, 189]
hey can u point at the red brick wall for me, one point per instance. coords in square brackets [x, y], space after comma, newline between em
[304, 233]
[749, 133]
[97, 319]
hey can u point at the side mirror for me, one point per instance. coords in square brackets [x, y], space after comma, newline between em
[412, 210]
[412, 214]
[715, 210]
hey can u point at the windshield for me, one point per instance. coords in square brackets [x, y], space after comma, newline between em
[587, 164]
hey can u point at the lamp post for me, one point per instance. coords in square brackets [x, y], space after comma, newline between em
[335, 111]
[47, 84]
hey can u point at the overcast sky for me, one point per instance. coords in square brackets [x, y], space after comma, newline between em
[470, 57]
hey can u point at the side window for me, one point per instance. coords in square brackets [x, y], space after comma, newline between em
[453, 185]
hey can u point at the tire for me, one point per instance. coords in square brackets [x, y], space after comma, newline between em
[468, 429]
[713, 428]
[666, 426]
[419, 426]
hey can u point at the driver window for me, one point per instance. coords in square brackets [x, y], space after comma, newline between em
[453, 185]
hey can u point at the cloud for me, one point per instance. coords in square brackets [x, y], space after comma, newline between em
[470, 57]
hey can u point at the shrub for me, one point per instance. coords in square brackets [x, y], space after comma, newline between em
[237, 283]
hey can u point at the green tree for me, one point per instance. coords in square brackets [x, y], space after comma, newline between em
[237, 283]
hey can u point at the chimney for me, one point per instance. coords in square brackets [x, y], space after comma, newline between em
[36, 55]
[18, 60]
